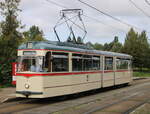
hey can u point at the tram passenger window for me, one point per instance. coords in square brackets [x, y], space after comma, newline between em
[130, 64]
[108, 63]
[87, 65]
[87, 62]
[96, 63]
[60, 62]
[122, 63]
[77, 62]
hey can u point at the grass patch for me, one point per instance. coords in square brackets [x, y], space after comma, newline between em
[141, 74]
[6, 85]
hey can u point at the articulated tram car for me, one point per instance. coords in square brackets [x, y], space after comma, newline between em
[47, 69]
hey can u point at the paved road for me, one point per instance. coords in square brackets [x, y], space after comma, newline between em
[6, 93]
[106, 101]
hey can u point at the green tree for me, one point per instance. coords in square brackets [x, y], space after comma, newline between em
[114, 46]
[137, 46]
[89, 44]
[10, 37]
[98, 46]
[131, 45]
[106, 47]
[34, 34]
[143, 50]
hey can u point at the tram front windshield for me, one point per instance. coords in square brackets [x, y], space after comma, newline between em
[30, 64]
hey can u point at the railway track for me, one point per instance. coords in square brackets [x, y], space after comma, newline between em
[20, 104]
[88, 98]
[109, 107]
[122, 104]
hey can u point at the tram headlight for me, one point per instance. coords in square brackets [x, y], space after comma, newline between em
[27, 86]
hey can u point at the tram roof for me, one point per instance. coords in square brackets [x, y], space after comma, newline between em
[65, 46]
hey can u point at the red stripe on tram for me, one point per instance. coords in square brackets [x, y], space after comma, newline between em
[108, 71]
[56, 74]
[122, 70]
[62, 74]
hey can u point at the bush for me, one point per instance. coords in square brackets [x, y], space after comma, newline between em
[5, 73]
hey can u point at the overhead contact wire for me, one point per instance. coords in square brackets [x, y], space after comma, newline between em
[136, 6]
[110, 16]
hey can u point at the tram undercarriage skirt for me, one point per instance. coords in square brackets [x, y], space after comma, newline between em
[27, 93]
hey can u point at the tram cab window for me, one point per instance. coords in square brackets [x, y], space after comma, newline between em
[122, 63]
[60, 62]
[108, 63]
[30, 64]
[77, 62]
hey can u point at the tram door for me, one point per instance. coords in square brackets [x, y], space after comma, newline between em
[108, 71]
[102, 69]
[48, 61]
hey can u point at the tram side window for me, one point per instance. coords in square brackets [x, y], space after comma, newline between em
[130, 64]
[96, 63]
[60, 62]
[108, 63]
[77, 62]
[87, 62]
[122, 63]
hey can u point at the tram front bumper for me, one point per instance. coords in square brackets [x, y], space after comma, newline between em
[28, 93]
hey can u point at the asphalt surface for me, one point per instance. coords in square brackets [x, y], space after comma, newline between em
[115, 100]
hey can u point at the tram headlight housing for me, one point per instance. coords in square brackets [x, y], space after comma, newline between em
[27, 86]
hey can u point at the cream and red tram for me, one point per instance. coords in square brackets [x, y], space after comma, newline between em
[47, 69]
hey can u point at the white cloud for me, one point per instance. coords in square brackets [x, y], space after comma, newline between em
[45, 15]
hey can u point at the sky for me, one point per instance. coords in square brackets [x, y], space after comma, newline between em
[45, 15]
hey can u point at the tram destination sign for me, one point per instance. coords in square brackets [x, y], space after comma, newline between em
[29, 53]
